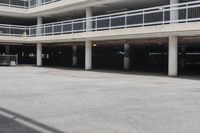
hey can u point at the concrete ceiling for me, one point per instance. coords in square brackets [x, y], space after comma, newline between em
[100, 7]
[110, 7]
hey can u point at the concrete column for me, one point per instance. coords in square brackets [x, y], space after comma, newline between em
[174, 13]
[88, 19]
[7, 50]
[39, 45]
[173, 56]
[126, 56]
[174, 2]
[39, 2]
[88, 55]
[88, 43]
[39, 54]
[74, 58]
[39, 23]
[182, 59]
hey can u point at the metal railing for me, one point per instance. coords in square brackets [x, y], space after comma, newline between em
[8, 60]
[35, 3]
[25, 4]
[14, 3]
[186, 12]
[13, 30]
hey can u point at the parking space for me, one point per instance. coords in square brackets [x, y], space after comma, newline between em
[38, 100]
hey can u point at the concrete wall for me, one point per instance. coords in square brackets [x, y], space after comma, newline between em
[184, 29]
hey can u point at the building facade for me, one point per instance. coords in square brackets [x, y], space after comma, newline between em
[129, 34]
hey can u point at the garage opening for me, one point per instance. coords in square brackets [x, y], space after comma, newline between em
[26, 53]
[108, 57]
[149, 58]
[62, 55]
[189, 60]
[150, 55]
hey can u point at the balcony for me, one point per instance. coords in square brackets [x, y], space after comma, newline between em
[35, 3]
[25, 4]
[187, 13]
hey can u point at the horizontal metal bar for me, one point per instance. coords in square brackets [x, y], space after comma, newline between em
[187, 12]
[27, 4]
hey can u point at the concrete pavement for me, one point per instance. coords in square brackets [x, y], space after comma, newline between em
[40, 100]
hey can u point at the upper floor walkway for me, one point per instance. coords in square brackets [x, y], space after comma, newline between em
[25, 4]
[154, 22]
[35, 8]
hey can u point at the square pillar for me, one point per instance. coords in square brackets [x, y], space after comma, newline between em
[39, 26]
[89, 19]
[174, 14]
[74, 56]
[88, 55]
[39, 54]
[39, 2]
[173, 56]
[88, 43]
[183, 56]
[126, 56]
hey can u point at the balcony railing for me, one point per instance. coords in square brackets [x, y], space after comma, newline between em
[35, 3]
[25, 4]
[186, 12]
[14, 3]
[13, 30]
[8, 60]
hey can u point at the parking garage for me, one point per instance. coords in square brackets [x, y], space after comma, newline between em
[144, 55]
[81, 42]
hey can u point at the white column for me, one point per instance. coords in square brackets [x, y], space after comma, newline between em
[39, 54]
[126, 56]
[88, 43]
[174, 13]
[173, 43]
[39, 23]
[88, 18]
[74, 57]
[88, 55]
[39, 2]
[173, 56]
[174, 2]
[39, 45]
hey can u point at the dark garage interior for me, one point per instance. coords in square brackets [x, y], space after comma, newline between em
[145, 55]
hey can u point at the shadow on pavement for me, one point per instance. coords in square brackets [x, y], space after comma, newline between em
[190, 76]
[11, 122]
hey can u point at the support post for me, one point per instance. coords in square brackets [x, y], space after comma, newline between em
[88, 43]
[39, 45]
[174, 13]
[39, 54]
[126, 56]
[88, 19]
[74, 56]
[88, 55]
[39, 2]
[173, 56]
[39, 28]
[182, 59]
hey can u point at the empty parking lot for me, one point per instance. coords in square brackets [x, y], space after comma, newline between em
[40, 100]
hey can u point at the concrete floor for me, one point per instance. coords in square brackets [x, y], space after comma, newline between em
[40, 100]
